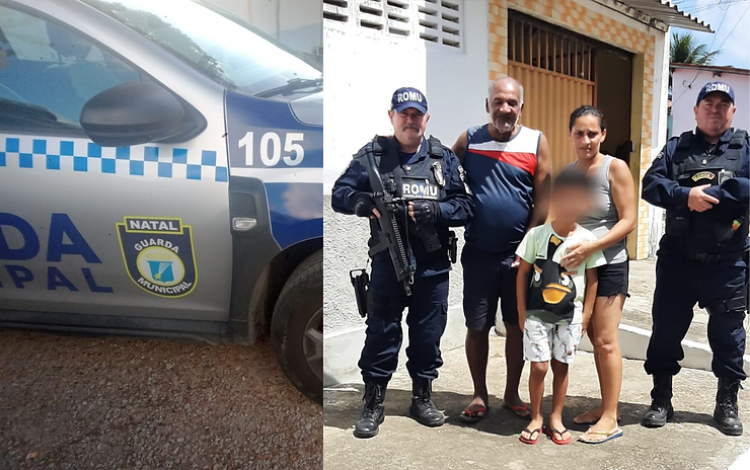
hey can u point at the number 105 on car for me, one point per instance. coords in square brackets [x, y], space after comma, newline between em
[267, 150]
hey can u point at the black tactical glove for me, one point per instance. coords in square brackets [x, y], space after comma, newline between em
[363, 204]
[426, 212]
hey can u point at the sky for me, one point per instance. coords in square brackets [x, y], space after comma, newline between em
[730, 19]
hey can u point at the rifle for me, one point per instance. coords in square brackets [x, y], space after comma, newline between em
[389, 236]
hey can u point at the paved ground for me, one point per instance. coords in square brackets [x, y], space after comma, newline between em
[637, 311]
[72, 402]
[690, 444]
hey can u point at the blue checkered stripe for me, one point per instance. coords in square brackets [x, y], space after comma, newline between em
[80, 155]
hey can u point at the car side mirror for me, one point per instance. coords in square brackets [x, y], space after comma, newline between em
[132, 114]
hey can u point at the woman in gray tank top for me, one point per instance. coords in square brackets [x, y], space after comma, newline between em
[611, 218]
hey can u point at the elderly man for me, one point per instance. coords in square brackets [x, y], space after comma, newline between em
[701, 179]
[426, 181]
[507, 167]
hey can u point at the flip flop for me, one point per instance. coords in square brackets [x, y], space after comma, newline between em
[608, 436]
[528, 440]
[520, 411]
[550, 432]
[474, 413]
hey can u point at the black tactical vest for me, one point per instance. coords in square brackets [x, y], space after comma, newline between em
[420, 179]
[721, 225]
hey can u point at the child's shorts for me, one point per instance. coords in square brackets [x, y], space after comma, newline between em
[541, 341]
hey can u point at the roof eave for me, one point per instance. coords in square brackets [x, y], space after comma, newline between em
[663, 13]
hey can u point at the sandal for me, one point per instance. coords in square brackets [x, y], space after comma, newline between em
[529, 440]
[474, 413]
[551, 432]
[608, 436]
[520, 411]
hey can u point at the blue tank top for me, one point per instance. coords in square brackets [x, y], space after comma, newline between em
[501, 176]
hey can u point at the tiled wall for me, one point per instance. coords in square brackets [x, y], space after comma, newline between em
[612, 27]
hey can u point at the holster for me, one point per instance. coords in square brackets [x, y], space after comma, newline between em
[452, 246]
[361, 284]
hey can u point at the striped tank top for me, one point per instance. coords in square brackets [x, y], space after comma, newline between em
[602, 215]
[501, 176]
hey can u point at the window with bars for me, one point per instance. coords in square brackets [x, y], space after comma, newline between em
[543, 46]
[436, 21]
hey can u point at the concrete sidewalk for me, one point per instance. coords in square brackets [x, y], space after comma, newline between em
[691, 443]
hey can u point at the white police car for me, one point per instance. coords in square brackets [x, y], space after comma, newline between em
[160, 174]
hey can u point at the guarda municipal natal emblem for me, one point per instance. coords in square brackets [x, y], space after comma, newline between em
[159, 255]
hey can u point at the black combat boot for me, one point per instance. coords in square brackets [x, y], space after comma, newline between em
[661, 409]
[422, 409]
[726, 411]
[373, 413]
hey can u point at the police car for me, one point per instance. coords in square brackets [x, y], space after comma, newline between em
[160, 175]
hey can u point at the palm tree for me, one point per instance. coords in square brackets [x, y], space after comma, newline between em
[684, 50]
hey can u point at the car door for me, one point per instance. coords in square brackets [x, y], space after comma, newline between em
[88, 229]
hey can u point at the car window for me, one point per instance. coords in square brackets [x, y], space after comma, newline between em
[48, 71]
[239, 57]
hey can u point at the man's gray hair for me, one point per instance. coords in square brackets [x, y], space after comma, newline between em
[492, 87]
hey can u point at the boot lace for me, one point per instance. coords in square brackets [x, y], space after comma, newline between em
[371, 402]
[425, 402]
[728, 399]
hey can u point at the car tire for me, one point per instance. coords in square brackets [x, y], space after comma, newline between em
[297, 327]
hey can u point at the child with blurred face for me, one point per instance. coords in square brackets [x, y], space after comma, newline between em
[555, 302]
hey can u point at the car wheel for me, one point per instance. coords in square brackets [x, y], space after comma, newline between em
[297, 327]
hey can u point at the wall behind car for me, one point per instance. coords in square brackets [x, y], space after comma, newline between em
[296, 23]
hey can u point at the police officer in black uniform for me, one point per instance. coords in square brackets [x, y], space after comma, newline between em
[429, 176]
[701, 179]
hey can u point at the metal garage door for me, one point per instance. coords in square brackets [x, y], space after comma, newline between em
[557, 71]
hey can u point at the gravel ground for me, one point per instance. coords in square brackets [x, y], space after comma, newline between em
[72, 402]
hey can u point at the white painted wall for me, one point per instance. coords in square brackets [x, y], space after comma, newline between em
[659, 131]
[363, 68]
[683, 97]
